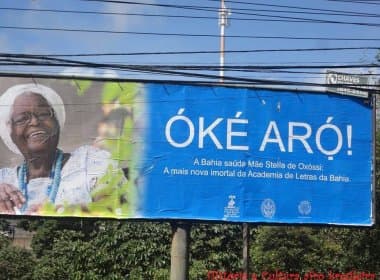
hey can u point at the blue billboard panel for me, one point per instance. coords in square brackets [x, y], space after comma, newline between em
[257, 155]
[127, 150]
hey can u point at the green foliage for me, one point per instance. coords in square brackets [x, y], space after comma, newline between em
[114, 195]
[43, 239]
[87, 249]
[82, 86]
[4, 242]
[281, 248]
[362, 248]
[15, 263]
[123, 250]
[304, 249]
[102, 250]
[4, 225]
[215, 247]
[123, 93]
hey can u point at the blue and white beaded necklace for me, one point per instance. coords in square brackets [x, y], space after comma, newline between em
[55, 176]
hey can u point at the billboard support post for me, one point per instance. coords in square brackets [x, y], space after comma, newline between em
[179, 266]
[245, 267]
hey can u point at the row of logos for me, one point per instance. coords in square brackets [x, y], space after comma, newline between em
[268, 208]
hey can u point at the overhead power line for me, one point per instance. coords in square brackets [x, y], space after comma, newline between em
[305, 9]
[237, 11]
[33, 60]
[205, 52]
[54, 58]
[181, 16]
[210, 78]
[57, 57]
[105, 13]
[357, 1]
[176, 16]
[185, 34]
[56, 62]
[216, 8]
[282, 62]
[204, 71]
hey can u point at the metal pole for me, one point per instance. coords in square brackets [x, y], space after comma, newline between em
[223, 22]
[245, 267]
[179, 267]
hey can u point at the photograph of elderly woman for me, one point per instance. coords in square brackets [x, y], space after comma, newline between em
[83, 172]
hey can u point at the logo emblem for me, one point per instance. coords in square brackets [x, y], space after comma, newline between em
[268, 208]
[304, 207]
[231, 202]
[231, 211]
[332, 78]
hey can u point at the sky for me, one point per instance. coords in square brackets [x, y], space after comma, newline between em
[71, 27]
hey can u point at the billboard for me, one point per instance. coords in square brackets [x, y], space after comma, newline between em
[126, 150]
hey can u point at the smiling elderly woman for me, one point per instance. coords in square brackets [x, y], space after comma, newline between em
[31, 119]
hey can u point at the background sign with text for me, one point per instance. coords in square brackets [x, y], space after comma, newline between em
[347, 84]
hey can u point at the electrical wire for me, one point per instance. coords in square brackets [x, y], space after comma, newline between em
[192, 35]
[181, 16]
[195, 35]
[305, 9]
[357, 2]
[208, 52]
[56, 57]
[236, 11]
[194, 71]
[208, 8]
[48, 61]
[238, 80]
[252, 3]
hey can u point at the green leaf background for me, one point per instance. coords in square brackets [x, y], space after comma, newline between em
[114, 195]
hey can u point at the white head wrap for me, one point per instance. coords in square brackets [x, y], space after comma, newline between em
[6, 107]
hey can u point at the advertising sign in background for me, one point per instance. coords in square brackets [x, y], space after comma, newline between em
[343, 83]
[217, 153]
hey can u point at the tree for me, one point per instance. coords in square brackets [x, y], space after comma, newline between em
[104, 250]
[15, 263]
[215, 247]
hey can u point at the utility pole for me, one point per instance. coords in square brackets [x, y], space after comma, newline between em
[245, 229]
[179, 267]
[223, 23]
